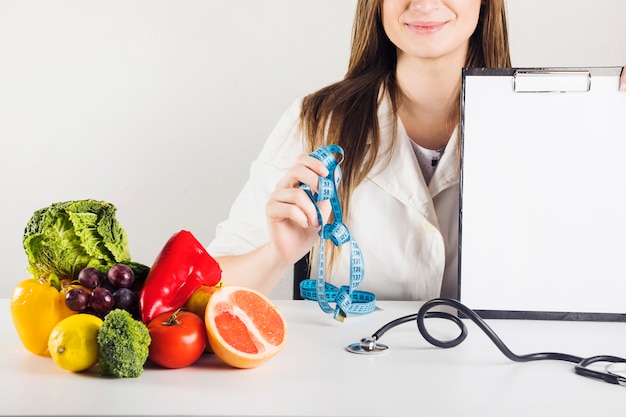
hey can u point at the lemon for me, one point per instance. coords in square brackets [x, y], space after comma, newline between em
[73, 343]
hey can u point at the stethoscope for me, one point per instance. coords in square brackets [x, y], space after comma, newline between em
[371, 345]
[338, 233]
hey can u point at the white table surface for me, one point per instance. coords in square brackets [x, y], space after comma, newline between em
[315, 376]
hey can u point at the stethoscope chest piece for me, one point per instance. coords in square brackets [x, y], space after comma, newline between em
[367, 346]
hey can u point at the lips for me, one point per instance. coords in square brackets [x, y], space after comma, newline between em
[425, 28]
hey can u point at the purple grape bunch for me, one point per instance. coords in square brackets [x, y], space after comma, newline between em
[97, 293]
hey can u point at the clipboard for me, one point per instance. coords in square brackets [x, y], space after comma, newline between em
[542, 219]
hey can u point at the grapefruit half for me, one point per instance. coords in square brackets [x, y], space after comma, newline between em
[244, 327]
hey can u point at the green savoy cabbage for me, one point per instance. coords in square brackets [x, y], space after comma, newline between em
[65, 237]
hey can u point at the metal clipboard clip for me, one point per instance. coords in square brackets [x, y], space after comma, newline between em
[551, 81]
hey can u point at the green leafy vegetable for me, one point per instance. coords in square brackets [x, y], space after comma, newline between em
[65, 237]
[123, 345]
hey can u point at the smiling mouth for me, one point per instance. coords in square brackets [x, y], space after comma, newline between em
[425, 28]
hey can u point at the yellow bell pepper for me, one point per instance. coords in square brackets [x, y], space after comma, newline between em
[36, 307]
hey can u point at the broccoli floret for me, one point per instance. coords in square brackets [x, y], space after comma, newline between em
[123, 343]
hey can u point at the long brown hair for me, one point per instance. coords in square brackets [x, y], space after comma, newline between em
[345, 113]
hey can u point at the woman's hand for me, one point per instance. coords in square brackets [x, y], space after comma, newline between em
[293, 229]
[622, 80]
[291, 215]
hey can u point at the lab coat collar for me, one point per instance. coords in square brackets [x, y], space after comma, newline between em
[447, 173]
[397, 170]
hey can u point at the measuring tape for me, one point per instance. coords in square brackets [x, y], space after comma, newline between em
[346, 298]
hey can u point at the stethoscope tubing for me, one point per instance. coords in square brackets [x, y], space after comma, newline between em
[581, 364]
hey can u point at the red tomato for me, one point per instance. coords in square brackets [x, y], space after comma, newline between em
[178, 339]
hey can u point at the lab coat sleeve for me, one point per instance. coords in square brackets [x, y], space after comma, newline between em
[245, 228]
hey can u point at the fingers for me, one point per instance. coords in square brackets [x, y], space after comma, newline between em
[622, 80]
[292, 204]
[306, 171]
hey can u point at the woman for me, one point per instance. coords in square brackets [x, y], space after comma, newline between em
[395, 114]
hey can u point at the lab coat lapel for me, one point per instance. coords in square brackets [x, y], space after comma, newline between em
[397, 170]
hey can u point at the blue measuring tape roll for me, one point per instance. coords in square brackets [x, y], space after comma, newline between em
[346, 298]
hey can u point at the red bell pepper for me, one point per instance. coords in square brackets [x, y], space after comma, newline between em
[182, 266]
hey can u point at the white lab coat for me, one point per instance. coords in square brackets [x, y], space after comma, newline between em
[407, 231]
